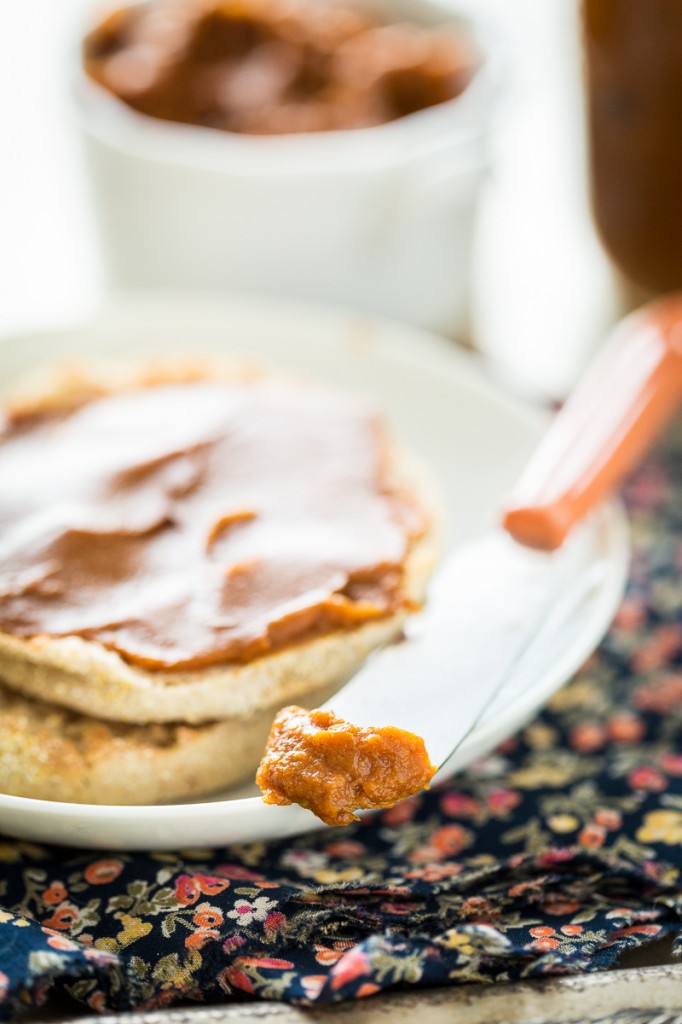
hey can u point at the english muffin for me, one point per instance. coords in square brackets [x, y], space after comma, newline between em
[51, 753]
[198, 545]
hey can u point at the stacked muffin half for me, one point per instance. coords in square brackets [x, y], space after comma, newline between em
[185, 549]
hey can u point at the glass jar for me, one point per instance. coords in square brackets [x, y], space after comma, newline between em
[633, 51]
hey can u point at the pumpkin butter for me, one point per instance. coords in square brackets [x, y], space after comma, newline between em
[273, 67]
[332, 767]
[188, 525]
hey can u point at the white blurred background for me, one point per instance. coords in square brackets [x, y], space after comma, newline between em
[543, 294]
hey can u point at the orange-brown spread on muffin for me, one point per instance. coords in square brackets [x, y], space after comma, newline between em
[274, 66]
[332, 767]
[200, 523]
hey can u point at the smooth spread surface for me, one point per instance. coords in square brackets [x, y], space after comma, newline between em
[332, 767]
[193, 524]
[274, 66]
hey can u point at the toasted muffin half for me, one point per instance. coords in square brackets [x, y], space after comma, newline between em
[91, 676]
[49, 752]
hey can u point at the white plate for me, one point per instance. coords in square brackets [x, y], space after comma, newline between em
[475, 439]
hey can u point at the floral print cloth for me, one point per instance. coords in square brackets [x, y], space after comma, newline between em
[554, 854]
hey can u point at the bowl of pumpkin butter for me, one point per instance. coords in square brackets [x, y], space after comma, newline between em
[331, 150]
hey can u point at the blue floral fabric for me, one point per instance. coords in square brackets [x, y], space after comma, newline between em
[554, 854]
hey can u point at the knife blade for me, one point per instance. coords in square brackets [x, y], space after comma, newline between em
[489, 605]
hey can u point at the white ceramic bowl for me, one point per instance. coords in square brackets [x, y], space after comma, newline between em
[380, 218]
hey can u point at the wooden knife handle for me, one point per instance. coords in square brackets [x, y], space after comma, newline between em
[629, 393]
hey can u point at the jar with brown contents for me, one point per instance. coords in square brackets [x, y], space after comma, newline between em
[634, 100]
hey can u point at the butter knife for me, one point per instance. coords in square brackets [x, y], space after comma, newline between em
[496, 599]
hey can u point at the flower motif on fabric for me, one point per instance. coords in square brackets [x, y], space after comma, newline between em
[246, 912]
